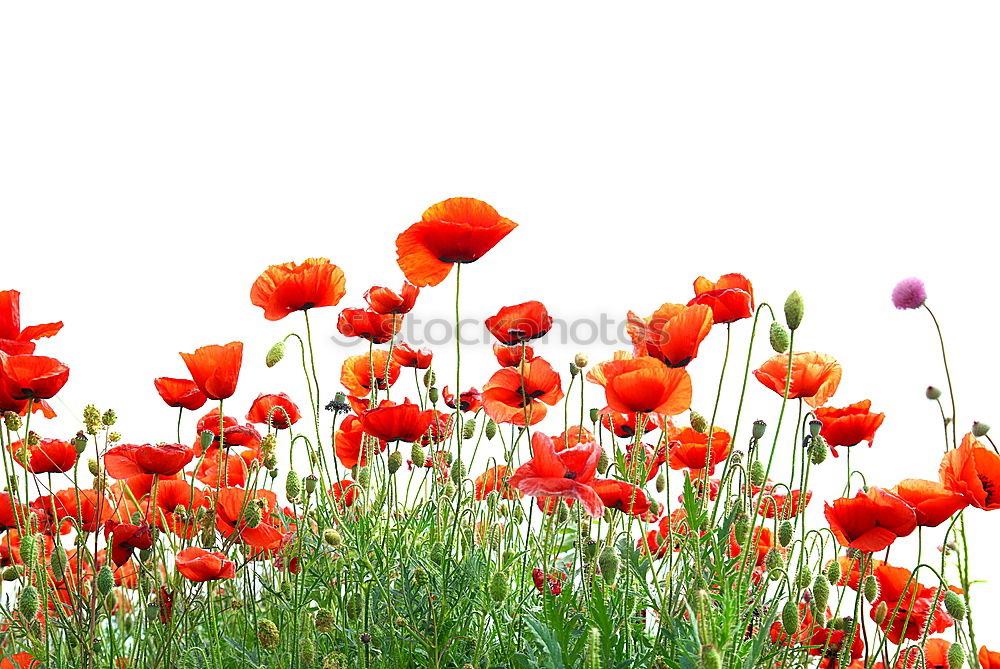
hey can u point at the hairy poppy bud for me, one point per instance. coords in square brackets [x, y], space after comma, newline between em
[661, 481]
[833, 572]
[818, 450]
[933, 393]
[469, 429]
[759, 427]
[105, 580]
[779, 337]
[93, 467]
[785, 531]
[491, 429]
[955, 605]
[790, 618]
[603, 462]
[12, 421]
[654, 507]
[206, 438]
[710, 658]
[433, 394]
[420, 577]
[364, 477]
[253, 515]
[980, 429]
[803, 578]
[499, 587]
[417, 455]
[59, 561]
[589, 549]
[608, 563]
[741, 528]
[399, 621]
[794, 307]
[457, 472]
[814, 427]
[27, 602]
[594, 415]
[774, 560]
[430, 378]
[333, 538]
[956, 656]
[293, 486]
[267, 634]
[275, 354]
[307, 651]
[698, 422]
[13, 573]
[394, 462]
[821, 592]
[581, 360]
[871, 588]
[28, 551]
[757, 473]
[592, 651]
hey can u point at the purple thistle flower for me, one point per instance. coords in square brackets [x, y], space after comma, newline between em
[909, 294]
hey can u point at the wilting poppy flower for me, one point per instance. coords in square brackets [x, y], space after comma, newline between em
[356, 373]
[870, 521]
[510, 356]
[848, 426]
[406, 356]
[625, 424]
[989, 659]
[931, 501]
[622, 496]
[573, 436]
[916, 605]
[731, 297]
[14, 340]
[85, 506]
[230, 516]
[689, 449]
[519, 323]
[642, 385]
[234, 433]
[199, 565]
[457, 230]
[374, 327]
[348, 440]
[974, 472]
[36, 377]
[505, 401]
[180, 393]
[397, 422]
[282, 289]
[127, 460]
[495, 478]
[123, 538]
[48, 455]
[216, 369]
[278, 410]
[672, 334]
[470, 400]
[551, 583]
[385, 301]
[815, 376]
[563, 474]
[345, 492]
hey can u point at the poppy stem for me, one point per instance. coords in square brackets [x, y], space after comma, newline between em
[180, 414]
[947, 373]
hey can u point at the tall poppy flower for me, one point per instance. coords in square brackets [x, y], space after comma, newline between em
[32, 377]
[277, 409]
[495, 479]
[626, 424]
[547, 583]
[172, 495]
[126, 460]
[931, 501]
[571, 437]
[510, 356]
[973, 471]
[46, 456]
[14, 340]
[405, 355]
[563, 474]
[520, 323]
[234, 434]
[814, 378]
[282, 289]
[457, 230]
[385, 301]
[621, 496]
[12, 513]
[87, 507]
[356, 372]
[781, 503]
[20, 406]
[348, 441]
[848, 426]
[216, 369]
[731, 297]
[369, 325]
[871, 521]
[672, 334]
[989, 659]
[180, 393]
[642, 385]
[505, 401]
[469, 400]
[124, 538]
[199, 565]
[231, 516]
[345, 492]
[397, 422]
[913, 604]
[689, 449]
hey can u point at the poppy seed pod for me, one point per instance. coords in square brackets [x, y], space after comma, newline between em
[394, 462]
[267, 634]
[433, 394]
[790, 618]
[698, 422]
[311, 482]
[759, 427]
[594, 415]
[871, 588]
[80, 442]
[27, 602]
[954, 605]
[814, 427]
[275, 354]
[206, 438]
[932, 393]
[979, 429]
[105, 580]
[581, 360]
[794, 308]
[956, 656]
[779, 337]
[608, 563]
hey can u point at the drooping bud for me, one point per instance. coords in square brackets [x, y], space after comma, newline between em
[818, 450]
[790, 618]
[794, 308]
[28, 551]
[59, 562]
[499, 587]
[394, 462]
[93, 467]
[741, 528]
[430, 378]
[458, 472]
[979, 429]
[267, 634]
[785, 531]
[774, 560]
[779, 337]
[608, 563]
[105, 580]
[13, 573]
[956, 656]
[27, 602]
[954, 605]
[469, 429]
[698, 422]
[364, 477]
[933, 393]
[573, 369]
[275, 354]
[871, 588]
[293, 486]
[833, 572]
[420, 577]
[307, 651]
[253, 515]
[759, 427]
[757, 473]
[491, 429]
[820, 592]
[654, 507]
[803, 578]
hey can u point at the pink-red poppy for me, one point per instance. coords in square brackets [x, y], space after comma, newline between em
[277, 410]
[520, 323]
[731, 297]
[386, 301]
[563, 474]
[848, 426]
[199, 565]
[672, 334]
[506, 401]
[216, 369]
[814, 376]
[282, 289]
[180, 393]
[870, 521]
[369, 325]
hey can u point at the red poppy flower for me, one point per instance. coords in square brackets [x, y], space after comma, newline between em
[374, 327]
[32, 376]
[216, 369]
[457, 230]
[778, 502]
[88, 508]
[974, 472]
[199, 565]
[20, 406]
[916, 605]
[830, 643]
[625, 424]
[14, 340]
[172, 495]
[180, 393]
[495, 478]
[406, 356]
[689, 449]
[345, 492]
[470, 400]
[231, 516]
[647, 465]
[672, 334]
[124, 538]
[397, 422]
[348, 440]
[13, 514]
[989, 659]
[519, 323]
[48, 455]
[234, 433]
[356, 373]
[762, 537]
[642, 385]
[931, 501]
[574, 436]
[564, 474]
[127, 460]
[551, 583]
[622, 496]
[848, 426]
[19, 661]
[850, 570]
[385, 301]
[654, 544]
[235, 468]
[870, 521]
[731, 297]
[510, 356]
[282, 289]
[440, 429]
[505, 401]
[279, 410]
[815, 376]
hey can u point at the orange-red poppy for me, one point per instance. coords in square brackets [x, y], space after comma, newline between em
[469, 400]
[45, 456]
[778, 502]
[510, 356]
[649, 463]
[672, 334]
[230, 516]
[931, 501]
[814, 378]
[505, 401]
[642, 385]
[829, 643]
[234, 433]
[848, 426]
[345, 492]
[520, 323]
[495, 479]
[916, 605]
[625, 424]
[348, 441]
[574, 436]
[235, 467]
[850, 569]
[973, 471]
[563, 474]
[374, 327]
[20, 406]
[405, 355]
[731, 297]
[282, 289]
[385, 301]
[440, 429]
[689, 449]
[457, 230]
[32, 377]
[125, 460]
[550, 583]
[124, 538]
[88, 508]
[180, 393]
[989, 659]
[216, 369]
[20, 661]
[171, 495]
[14, 340]
[356, 373]
[397, 422]
[621, 496]
[870, 521]
[199, 565]
[12, 513]
[277, 410]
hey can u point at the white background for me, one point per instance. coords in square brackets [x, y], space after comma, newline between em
[154, 159]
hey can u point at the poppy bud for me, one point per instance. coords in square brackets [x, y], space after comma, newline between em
[932, 393]
[430, 378]
[562, 511]
[252, 515]
[12, 421]
[741, 527]
[364, 477]
[594, 415]
[779, 337]
[419, 577]
[698, 422]
[206, 438]
[28, 551]
[955, 605]
[286, 590]
[803, 578]
[871, 588]
[710, 658]
[814, 427]
[293, 487]
[499, 588]
[979, 429]
[275, 354]
[608, 563]
[654, 507]
[820, 592]
[785, 531]
[433, 395]
[13, 573]
[661, 481]
[105, 580]
[603, 462]
[417, 455]
[457, 472]
[592, 652]
[818, 450]
[774, 560]
[573, 369]
[491, 429]
[27, 602]
[759, 427]
[833, 572]
[757, 473]
[333, 538]
[956, 656]
[394, 462]
[589, 549]
[469, 429]
[790, 618]
[307, 652]
[59, 561]
[267, 634]
[581, 360]
[794, 308]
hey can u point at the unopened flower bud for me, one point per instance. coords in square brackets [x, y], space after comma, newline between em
[698, 422]
[364, 477]
[980, 429]
[741, 528]
[833, 572]
[333, 538]
[933, 393]
[27, 602]
[430, 378]
[608, 563]
[13, 573]
[710, 658]
[420, 577]
[293, 486]
[573, 369]
[757, 473]
[275, 354]
[603, 462]
[581, 360]
[955, 605]
[790, 618]
[956, 655]
[105, 580]
[59, 561]
[457, 472]
[589, 549]
[818, 450]
[469, 429]
[785, 531]
[499, 587]
[267, 634]
[820, 592]
[661, 481]
[794, 308]
[433, 394]
[779, 337]
[774, 560]
[394, 462]
[871, 588]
